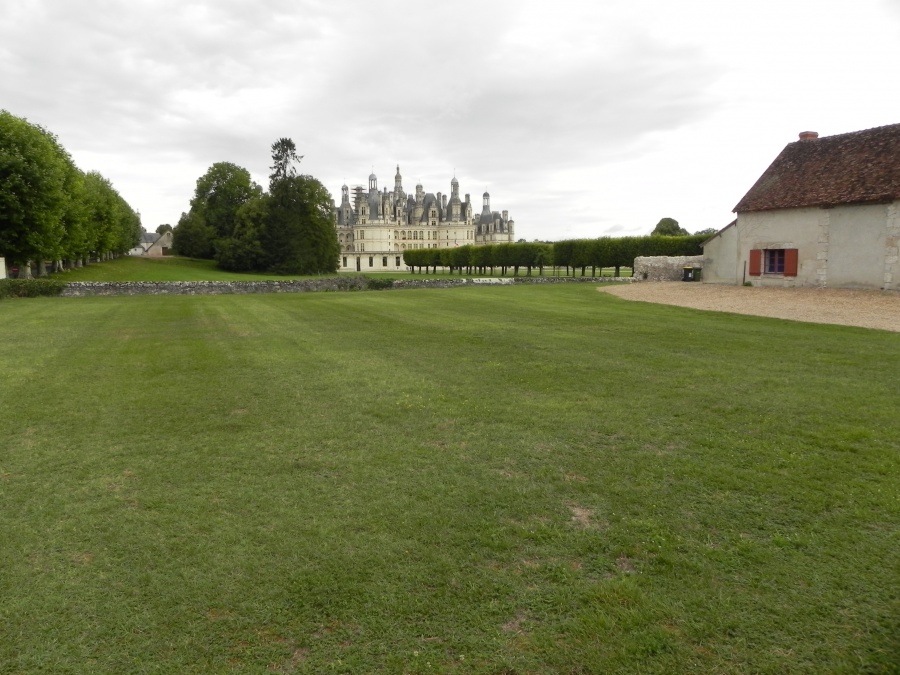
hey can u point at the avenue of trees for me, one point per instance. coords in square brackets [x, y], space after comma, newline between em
[287, 230]
[573, 254]
[52, 211]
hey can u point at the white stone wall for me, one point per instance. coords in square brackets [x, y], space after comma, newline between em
[803, 229]
[851, 246]
[857, 242]
[891, 275]
[720, 258]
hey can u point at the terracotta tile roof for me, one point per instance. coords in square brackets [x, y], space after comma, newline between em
[859, 167]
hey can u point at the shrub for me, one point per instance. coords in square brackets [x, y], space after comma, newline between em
[30, 288]
[378, 284]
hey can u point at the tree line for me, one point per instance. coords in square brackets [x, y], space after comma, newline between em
[50, 210]
[287, 230]
[573, 254]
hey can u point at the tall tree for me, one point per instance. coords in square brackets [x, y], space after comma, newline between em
[670, 227]
[243, 251]
[219, 194]
[284, 156]
[162, 229]
[299, 236]
[192, 237]
[33, 173]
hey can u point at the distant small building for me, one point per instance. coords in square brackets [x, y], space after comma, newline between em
[153, 245]
[825, 213]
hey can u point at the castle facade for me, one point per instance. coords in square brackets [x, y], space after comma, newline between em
[378, 226]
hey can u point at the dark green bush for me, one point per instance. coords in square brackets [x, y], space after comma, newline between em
[30, 288]
[378, 284]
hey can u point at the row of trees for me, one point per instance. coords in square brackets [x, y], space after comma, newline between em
[50, 210]
[287, 230]
[469, 259]
[572, 254]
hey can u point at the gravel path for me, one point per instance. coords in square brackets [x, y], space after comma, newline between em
[869, 309]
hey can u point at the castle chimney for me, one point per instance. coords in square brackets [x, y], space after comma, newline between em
[809, 135]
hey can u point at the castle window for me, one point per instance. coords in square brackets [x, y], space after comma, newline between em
[421, 235]
[415, 235]
[384, 261]
[371, 261]
[397, 261]
[344, 261]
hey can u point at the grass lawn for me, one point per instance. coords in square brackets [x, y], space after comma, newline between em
[132, 268]
[485, 480]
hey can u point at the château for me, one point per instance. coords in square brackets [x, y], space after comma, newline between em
[378, 226]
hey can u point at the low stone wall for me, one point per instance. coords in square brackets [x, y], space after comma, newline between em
[76, 289]
[663, 268]
[573, 280]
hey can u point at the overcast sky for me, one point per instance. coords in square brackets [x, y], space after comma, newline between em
[581, 118]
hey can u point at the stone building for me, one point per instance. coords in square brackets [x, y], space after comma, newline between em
[375, 227]
[825, 213]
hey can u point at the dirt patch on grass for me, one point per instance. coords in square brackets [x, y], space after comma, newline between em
[582, 517]
[515, 625]
[625, 565]
[867, 309]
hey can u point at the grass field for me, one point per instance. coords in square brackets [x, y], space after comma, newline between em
[479, 480]
[131, 268]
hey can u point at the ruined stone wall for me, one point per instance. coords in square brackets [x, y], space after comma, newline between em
[663, 268]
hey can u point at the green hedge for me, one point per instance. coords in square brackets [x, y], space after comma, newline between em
[570, 253]
[30, 288]
[378, 284]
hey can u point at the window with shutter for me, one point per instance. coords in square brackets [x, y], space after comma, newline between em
[790, 262]
[755, 262]
[774, 260]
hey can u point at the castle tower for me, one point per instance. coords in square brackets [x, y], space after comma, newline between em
[486, 220]
[373, 183]
[454, 210]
